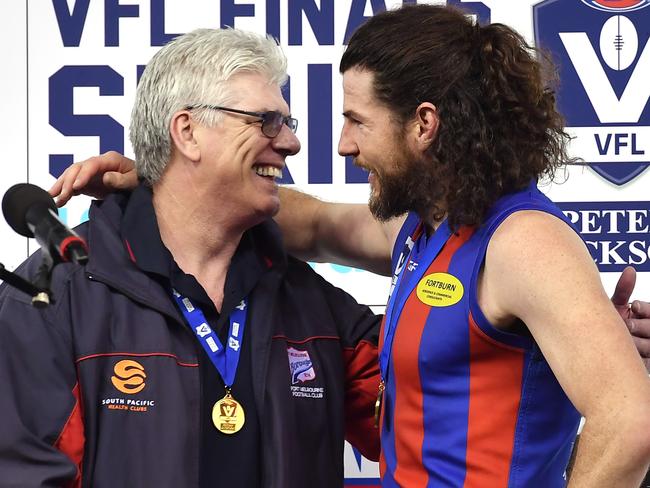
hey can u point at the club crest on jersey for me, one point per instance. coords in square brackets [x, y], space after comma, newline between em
[300, 366]
[601, 48]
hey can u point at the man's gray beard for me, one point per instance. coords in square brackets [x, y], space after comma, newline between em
[413, 189]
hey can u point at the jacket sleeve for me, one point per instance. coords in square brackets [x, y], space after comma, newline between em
[41, 440]
[361, 388]
[359, 331]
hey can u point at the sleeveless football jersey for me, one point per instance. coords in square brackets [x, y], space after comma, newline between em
[466, 404]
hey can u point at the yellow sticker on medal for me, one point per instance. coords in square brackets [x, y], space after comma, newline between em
[228, 415]
[440, 290]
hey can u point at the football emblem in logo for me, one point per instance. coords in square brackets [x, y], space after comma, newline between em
[619, 42]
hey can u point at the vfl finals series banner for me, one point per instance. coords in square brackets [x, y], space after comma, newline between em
[71, 67]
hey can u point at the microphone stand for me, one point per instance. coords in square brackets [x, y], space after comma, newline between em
[40, 290]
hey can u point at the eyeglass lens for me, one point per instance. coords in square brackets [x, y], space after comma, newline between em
[272, 123]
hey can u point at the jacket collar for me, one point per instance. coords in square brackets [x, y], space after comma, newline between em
[110, 259]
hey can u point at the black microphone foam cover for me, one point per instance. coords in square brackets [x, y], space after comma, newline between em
[17, 202]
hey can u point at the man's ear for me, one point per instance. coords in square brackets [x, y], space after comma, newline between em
[181, 130]
[426, 125]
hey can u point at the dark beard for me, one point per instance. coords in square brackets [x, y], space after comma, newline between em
[414, 188]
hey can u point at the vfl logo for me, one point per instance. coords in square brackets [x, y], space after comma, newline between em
[228, 408]
[233, 343]
[203, 330]
[604, 60]
[300, 366]
[129, 377]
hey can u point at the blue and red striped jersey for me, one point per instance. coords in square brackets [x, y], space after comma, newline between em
[466, 404]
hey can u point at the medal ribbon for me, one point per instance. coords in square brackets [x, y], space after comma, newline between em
[401, 291]
[224, 358]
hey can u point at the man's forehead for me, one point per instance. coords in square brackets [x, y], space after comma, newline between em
[358, 84]
[257, 93]
[358, 91]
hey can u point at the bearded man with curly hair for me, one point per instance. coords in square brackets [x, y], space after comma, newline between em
[497, 325]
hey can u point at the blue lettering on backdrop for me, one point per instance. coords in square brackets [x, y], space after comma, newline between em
[273, 18]
[71, 25]
[111, 133]
[63, 119]
[319, 100]
[158, 35]
[287, 179]
[356, 17]
[139, 69]
[354, 174]
[479, 9]
[617, 234]
[113, 11]
[620, 141]
[230, 10]
[321, 21]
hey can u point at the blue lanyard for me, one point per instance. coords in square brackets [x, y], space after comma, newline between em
[425, 253]
[225, 359]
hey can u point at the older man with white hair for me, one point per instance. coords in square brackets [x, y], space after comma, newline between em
[190, 350]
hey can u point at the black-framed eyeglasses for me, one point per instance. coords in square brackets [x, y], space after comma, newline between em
[272, 121]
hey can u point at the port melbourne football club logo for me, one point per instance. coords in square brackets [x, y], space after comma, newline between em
[603, 54]
[300, 365]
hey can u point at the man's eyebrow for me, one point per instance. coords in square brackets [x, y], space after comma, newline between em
[286, 113]
[351, 114]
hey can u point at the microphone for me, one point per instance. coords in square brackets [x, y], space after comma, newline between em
[31, 212]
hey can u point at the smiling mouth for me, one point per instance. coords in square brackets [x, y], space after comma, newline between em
[268, 171]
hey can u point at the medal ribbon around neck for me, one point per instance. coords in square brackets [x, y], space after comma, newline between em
[227, 414]
[404, 282]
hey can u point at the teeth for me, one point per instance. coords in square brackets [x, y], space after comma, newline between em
[268, 171]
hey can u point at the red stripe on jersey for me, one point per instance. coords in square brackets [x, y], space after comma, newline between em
[496, 374]
[71, 439]
[408, 409]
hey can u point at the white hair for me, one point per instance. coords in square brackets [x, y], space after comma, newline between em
[194, 69]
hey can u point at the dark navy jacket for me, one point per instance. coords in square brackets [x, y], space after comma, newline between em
[73, 408]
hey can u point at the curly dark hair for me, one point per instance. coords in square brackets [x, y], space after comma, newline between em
[498, 124]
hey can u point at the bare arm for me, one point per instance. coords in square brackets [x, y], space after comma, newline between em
[341, 233]
[553, 286]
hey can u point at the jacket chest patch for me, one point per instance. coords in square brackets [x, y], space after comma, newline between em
[302, 371]
[129, 379]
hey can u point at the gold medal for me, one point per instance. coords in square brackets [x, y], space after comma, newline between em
[378, 402]
[228, 415]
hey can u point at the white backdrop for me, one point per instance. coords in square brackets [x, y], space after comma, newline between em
[66, 59]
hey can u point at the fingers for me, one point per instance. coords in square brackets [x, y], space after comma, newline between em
[83, 177]
[641, 310]
[624, 287]
[63, 187]
[639, 327]
[115, 180]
